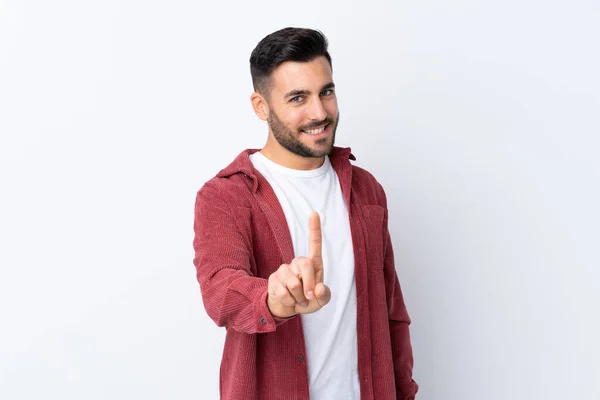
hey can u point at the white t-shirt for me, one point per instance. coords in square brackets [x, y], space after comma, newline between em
[330, 333]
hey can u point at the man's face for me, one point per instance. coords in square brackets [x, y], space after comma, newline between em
[303, 111]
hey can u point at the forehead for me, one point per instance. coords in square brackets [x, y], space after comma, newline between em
[292, 75]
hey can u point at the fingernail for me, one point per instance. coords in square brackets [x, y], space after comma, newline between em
[310, 295]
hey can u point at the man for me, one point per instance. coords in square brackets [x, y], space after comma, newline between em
[293, 253]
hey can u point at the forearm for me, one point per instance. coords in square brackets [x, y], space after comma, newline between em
[238, 301]
[400, 338]
[406, 387]
[399, 321]
[233, 296]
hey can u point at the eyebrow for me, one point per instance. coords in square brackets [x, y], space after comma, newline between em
[300, 92]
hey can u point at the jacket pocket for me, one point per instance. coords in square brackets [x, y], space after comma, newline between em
[374, 216]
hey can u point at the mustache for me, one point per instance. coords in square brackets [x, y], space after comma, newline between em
[313, 125]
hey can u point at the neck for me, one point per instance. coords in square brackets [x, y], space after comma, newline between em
[282, 156]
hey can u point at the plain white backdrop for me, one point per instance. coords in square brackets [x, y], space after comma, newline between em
[481, 120]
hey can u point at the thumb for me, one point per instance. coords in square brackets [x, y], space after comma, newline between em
[322, 294]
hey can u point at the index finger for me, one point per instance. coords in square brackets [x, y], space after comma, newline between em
[315, 242]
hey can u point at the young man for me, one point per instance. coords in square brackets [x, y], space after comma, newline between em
[293, 253]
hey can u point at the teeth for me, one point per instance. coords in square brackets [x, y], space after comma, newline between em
[316, 131]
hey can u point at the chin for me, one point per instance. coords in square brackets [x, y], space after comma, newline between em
[322, 151]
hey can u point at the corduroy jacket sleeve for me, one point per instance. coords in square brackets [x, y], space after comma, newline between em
[233, 297]
[406, 387]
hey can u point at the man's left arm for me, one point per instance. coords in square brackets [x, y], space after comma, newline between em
[406, 387]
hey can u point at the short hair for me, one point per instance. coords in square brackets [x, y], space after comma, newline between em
[287, 44]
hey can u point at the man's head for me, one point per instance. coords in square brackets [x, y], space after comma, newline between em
[294, 92]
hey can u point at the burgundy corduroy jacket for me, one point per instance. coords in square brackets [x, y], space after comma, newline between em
[242, 237]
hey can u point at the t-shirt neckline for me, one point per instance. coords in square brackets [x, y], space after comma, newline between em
[322, 170]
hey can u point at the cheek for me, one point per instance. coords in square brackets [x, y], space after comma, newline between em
[294, 119]
[331, 107]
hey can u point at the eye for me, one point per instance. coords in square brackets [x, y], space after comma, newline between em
[296, 99]
[327, 92]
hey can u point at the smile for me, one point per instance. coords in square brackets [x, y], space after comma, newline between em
[316, 131]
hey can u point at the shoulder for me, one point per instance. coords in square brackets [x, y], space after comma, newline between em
[234, 184]
[234, 190]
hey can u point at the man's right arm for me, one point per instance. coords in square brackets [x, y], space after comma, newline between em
[232, 295]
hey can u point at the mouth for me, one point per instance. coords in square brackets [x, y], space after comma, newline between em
[320, 131]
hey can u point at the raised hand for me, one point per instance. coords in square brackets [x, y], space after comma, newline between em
[297, 288]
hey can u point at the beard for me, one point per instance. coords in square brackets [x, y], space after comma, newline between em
[290, 140]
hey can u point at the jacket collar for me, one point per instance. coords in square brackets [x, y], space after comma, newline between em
[268, 201]
[242, 163]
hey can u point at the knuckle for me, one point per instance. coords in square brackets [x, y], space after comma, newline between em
[294, 284]
[303, 262]
[283, 267]
[280, 292]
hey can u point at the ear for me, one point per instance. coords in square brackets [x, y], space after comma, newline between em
[260, 106]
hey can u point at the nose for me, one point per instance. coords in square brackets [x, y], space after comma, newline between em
[317, 111]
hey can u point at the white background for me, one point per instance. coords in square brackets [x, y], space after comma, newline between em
[481, 120]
